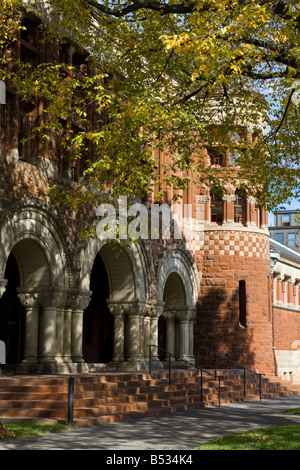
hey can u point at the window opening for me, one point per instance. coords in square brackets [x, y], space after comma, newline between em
[242, 303]
[216, 209]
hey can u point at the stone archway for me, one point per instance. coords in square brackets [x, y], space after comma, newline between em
[178, 283]
[169, 322]
[123, 289]
[32, 238]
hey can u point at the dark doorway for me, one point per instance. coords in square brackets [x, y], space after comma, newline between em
[12, 315]
[98, 327]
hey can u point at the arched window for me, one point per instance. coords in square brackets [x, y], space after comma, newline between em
[216, 209]
[242, 303]
[239, 209]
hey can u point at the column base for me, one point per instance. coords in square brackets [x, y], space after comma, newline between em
[178, 364]
[136, 365]
[51, 368]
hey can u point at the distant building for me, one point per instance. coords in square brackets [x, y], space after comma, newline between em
[286, 229]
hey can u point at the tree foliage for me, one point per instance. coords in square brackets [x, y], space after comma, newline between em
[174, 76]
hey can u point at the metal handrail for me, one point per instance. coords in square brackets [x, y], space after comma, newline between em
[189, 363]
[217, 354]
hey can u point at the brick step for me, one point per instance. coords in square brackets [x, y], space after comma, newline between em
[109, 397]
[57, 415]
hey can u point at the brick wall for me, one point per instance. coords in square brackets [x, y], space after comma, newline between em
[286, 328]
[218, 326]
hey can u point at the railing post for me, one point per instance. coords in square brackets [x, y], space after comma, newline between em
[70, 401]
[201, 387]
[169, 369]
[260, 386]
[244, 382]
[219, 391]
[216, 365]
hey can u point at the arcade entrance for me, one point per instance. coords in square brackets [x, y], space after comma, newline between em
[12, 315]
[98, 327]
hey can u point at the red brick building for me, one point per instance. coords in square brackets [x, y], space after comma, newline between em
[69, 305]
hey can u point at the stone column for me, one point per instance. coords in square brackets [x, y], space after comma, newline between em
[279, 297]
[204, 201]
[184, 320]
[192, 320]
[250, 211]
[228, 208]
[290, 292]
[60, 313]
[31, 303]
[119, 331]
[284, 291]
[274, 293]
[48, 337]
[296, 295]
[80, 302]
[170, 317]
[134, 313]
[155, 312]
[67, 335]
[147, 340]
[264, 219]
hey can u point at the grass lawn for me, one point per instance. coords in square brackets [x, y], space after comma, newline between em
[274, 438]
[16, 430]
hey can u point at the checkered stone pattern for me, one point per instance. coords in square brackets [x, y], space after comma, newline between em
[224, 243]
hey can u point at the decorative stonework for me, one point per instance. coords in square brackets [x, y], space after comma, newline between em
[235, 243]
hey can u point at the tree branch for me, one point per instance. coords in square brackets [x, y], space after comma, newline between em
[283, 116]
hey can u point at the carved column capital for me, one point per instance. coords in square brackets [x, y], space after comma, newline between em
[202, 199]
[77, 300]
[169, 315]
[182, 315]
[116, 309]
[228, 197]
[30, 299]
[155, 310]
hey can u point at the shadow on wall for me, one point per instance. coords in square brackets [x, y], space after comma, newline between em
[221, 326]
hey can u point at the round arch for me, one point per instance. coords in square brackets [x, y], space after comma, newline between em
[113, 322]
[34, 262]
[177, 292]
[181, 265]
[37, 239]
[125, 265]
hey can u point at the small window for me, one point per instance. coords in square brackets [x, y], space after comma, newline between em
[216, 157]
[239, 209]
[279, 237]
[291, 239]
[242, 303]
[216, 209]
[286, 219]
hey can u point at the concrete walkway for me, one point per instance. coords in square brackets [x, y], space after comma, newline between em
[175, 431]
